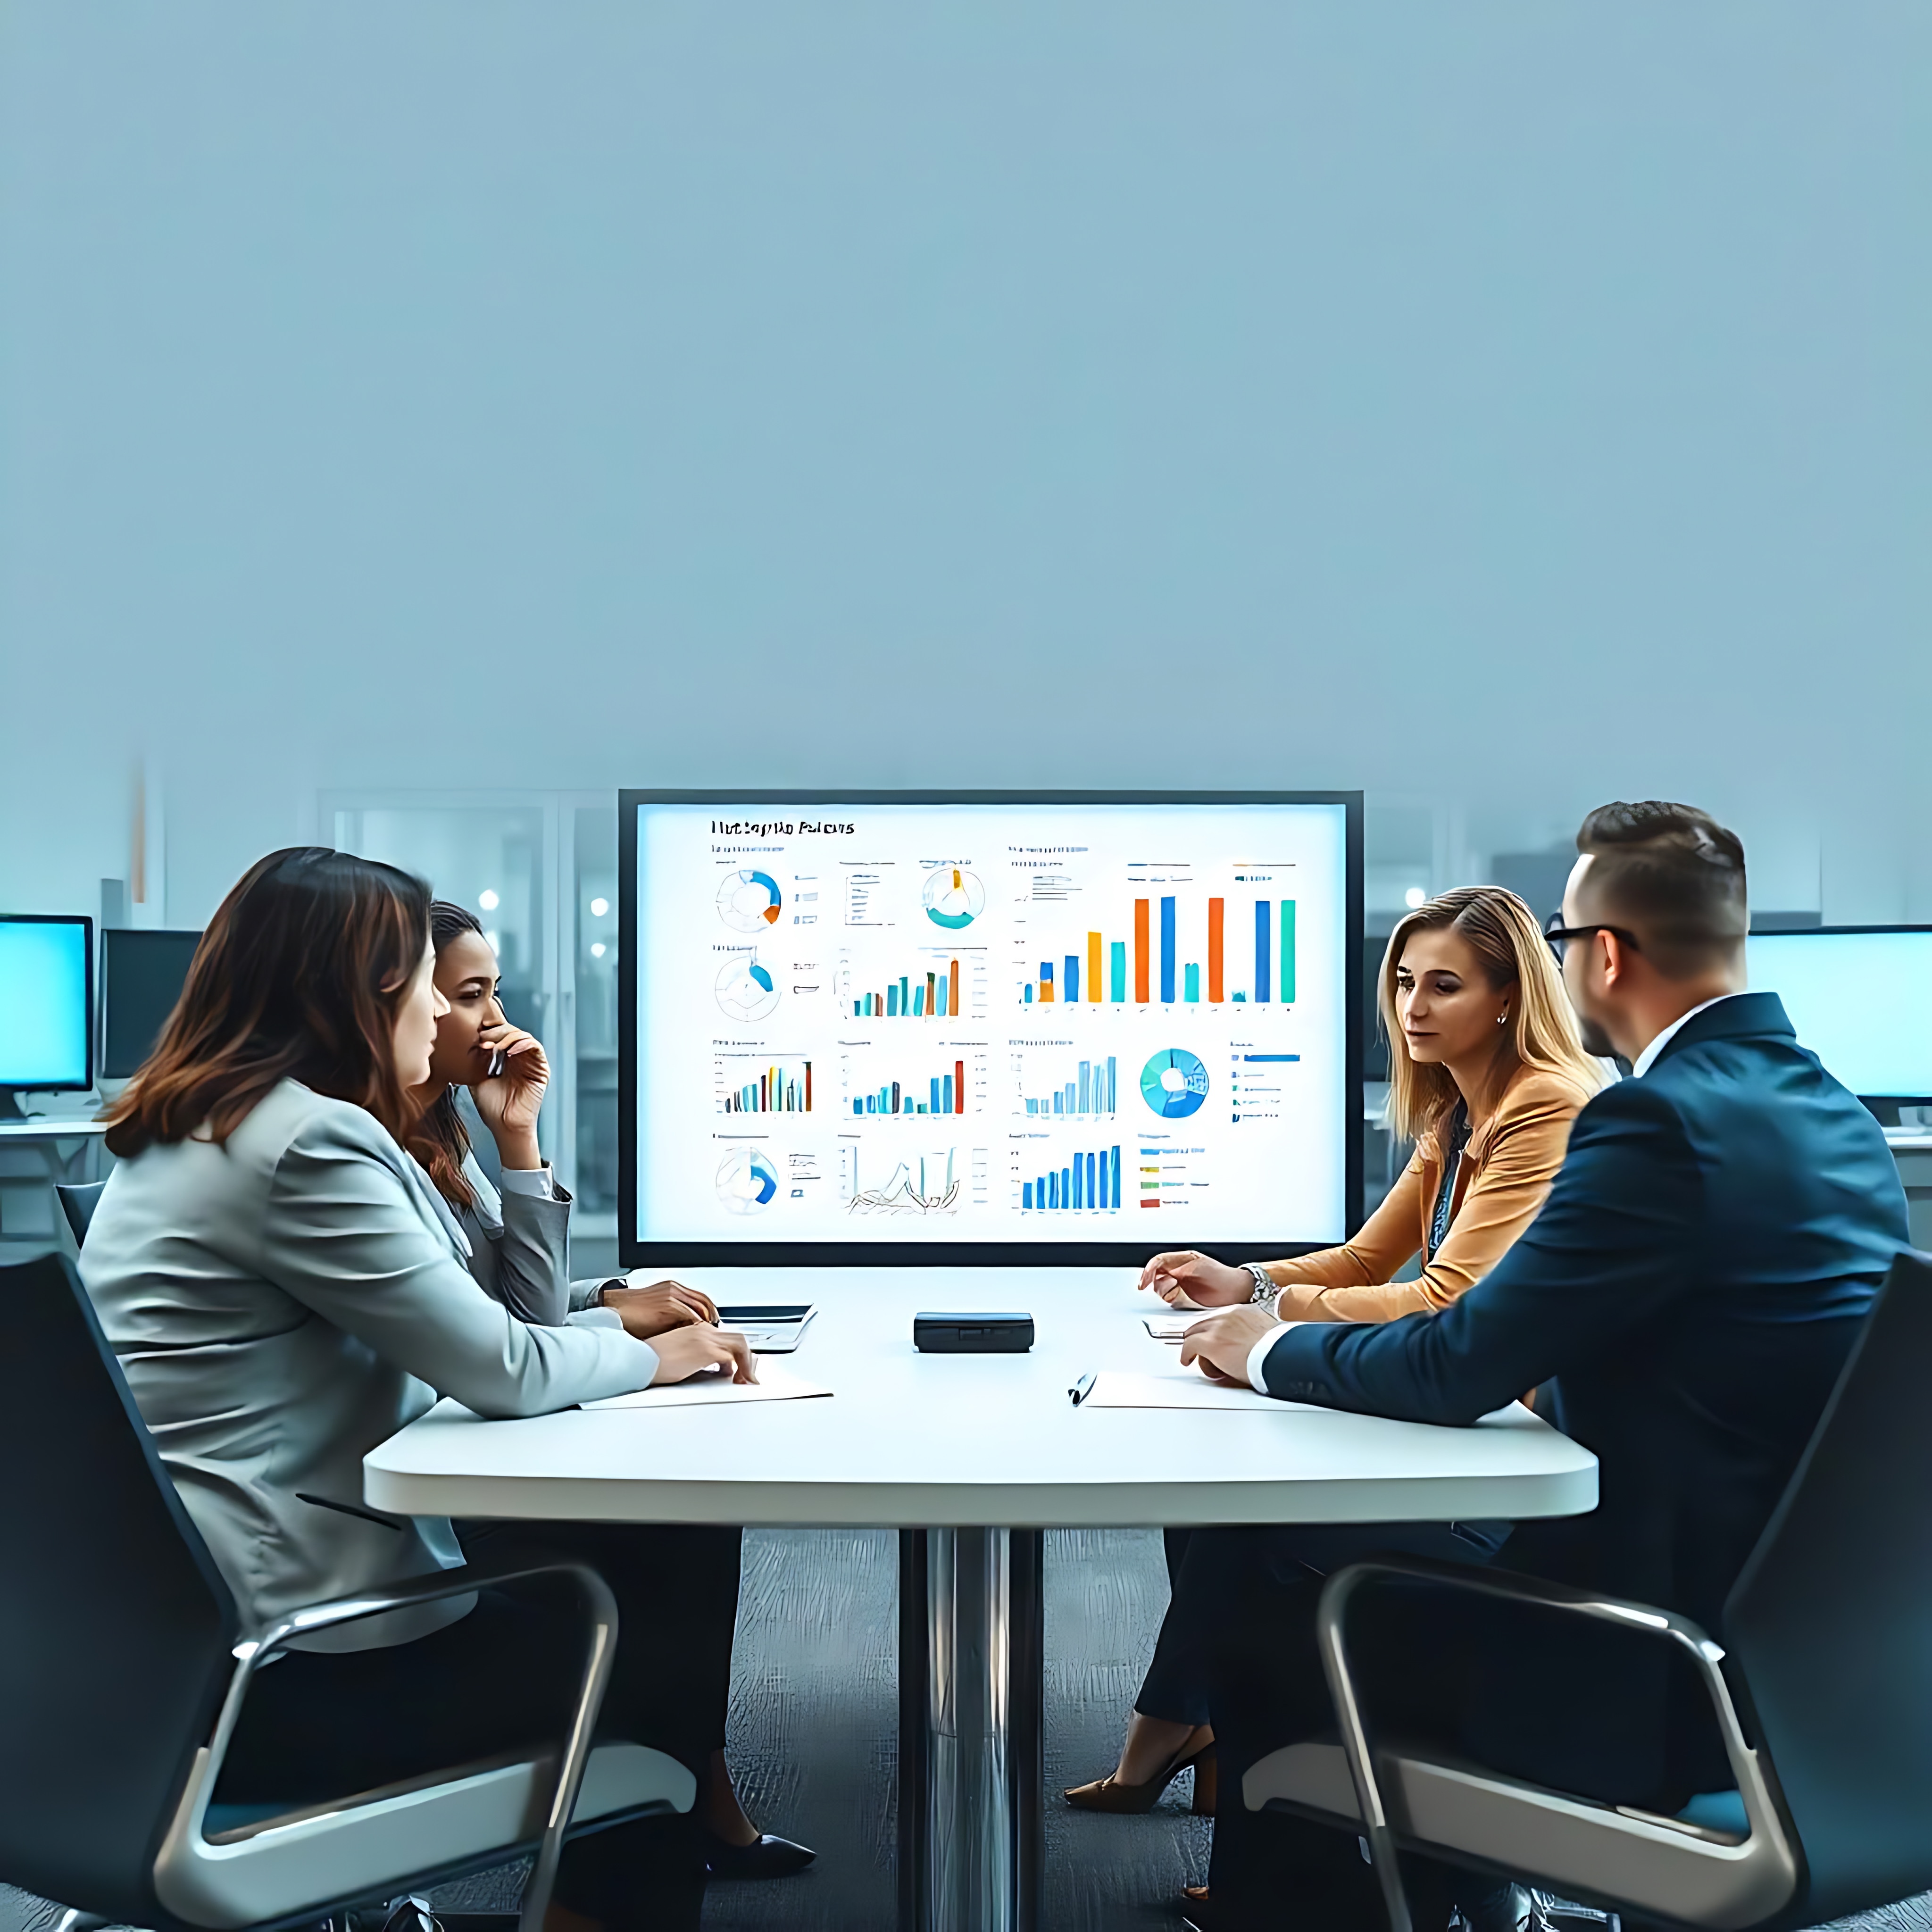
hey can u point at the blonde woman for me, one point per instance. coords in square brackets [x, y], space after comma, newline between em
[1487, 1070]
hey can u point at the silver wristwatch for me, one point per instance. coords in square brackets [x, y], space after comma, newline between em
[1265, 1290]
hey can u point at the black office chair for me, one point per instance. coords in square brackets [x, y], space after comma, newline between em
[1832, 1813]
[122, 1673]
[78, 1200]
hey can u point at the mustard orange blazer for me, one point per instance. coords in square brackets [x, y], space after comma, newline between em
[1506, 1171]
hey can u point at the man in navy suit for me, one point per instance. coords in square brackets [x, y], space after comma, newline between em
[1686, 1299]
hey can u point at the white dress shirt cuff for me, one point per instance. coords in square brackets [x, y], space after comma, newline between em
[532, 1181]
[1258, 1354]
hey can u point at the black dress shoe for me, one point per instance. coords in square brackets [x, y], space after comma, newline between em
[768, 1857]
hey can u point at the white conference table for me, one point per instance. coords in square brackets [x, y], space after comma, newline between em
[970, 1457]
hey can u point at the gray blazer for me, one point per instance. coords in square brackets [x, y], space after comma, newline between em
[517, 1247]
[281, 1305]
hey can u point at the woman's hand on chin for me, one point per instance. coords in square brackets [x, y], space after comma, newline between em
[509, 1102]
[689, 1352]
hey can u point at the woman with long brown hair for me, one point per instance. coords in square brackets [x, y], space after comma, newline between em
[274, 1273]
[1487, 1070]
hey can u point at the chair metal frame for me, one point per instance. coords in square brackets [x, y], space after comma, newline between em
[251, 1655]
[1763, 1808]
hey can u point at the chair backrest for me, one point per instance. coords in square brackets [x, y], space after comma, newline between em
[1830, 1621]
[115, 1627]
[78, 1201]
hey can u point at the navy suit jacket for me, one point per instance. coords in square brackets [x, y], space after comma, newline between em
[1692, 1288]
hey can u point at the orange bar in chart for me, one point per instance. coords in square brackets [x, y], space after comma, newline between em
[1093, 968]
[959, 1086]
[953, 991]
[1216, 908]
[1140, 951]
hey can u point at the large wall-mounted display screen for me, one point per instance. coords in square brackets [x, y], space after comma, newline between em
[988, 1027]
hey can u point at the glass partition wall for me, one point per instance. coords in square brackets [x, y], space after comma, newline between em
[539, 870]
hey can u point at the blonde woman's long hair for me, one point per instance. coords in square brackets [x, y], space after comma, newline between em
[1503, 933]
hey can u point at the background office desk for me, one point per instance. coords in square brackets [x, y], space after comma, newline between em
[34, 1154]
[944, 1448]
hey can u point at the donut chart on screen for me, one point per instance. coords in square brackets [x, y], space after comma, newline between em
[1174, 1083]
[954, 897]
[746, 990]
[747, 1181]
[749, 901]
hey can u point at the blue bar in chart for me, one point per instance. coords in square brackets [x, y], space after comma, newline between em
[1261, 950]
[1167, 952]
[1071, 987]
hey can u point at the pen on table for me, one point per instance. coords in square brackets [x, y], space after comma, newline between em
[1083, 1388]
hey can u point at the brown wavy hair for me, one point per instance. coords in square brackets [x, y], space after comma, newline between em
[299, 976]
[1542, 1031]
[438, 1138]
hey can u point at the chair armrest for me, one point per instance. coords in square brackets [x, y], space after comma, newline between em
[601, 1621]
[431, 1589]
[1704, 1656]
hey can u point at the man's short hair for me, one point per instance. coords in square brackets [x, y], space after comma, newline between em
[1675, 877]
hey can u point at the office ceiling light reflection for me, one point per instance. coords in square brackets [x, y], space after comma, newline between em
[598, 907]
[488, 900]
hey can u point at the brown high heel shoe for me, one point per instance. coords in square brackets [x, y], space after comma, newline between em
[1108, 1794]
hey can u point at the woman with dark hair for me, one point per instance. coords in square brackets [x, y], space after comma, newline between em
[282, 1291]
[516, 1239]
[518, 1234]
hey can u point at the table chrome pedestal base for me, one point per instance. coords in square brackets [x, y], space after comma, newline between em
[971, 1694]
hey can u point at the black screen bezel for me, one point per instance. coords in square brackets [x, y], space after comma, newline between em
[633, 1252]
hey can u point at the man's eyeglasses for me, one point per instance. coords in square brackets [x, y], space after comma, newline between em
[1558, 934]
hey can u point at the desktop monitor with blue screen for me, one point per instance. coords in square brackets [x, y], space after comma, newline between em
[142, 971]
[988, 1028]
[46, 1006]
[1856, 996]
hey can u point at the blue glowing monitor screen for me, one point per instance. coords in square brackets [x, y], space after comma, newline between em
[43, 1003]
[1033, 1025]
[1855, 999]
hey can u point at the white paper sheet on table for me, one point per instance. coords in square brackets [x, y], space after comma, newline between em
[1116, 1388]
[710, 1391]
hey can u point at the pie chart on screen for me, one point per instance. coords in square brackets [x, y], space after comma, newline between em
[749, 901]
[953, 898]
[1173, 1083]
[745, 989]
[747, 1181]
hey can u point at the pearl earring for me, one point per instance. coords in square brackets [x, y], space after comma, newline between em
[1502, 1019]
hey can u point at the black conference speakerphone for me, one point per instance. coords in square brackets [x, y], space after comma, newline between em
[972, 1334]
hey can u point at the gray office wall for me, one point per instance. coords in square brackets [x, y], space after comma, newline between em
[1501, 406]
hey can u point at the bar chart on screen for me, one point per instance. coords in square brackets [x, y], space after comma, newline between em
[753, 1083]
[872, 1083]
[1088, 1086]
[935, 983]
[1076, 1181]
[1169, 948]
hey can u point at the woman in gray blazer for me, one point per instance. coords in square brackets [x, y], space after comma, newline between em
[283, 1290]
[516, 1242]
